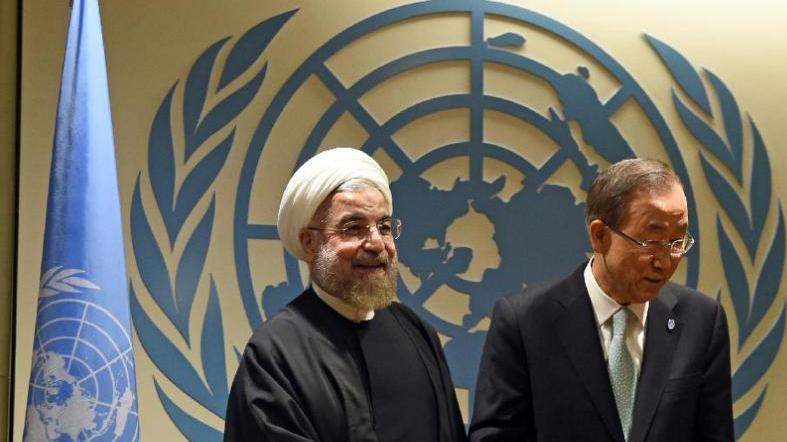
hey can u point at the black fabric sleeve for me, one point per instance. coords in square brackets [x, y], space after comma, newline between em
[262, 406]
[457, 428]
[451, 426]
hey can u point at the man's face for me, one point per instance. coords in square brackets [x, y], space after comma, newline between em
[360, 269]
[626, 272]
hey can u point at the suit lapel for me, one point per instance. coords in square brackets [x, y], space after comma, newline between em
[576, 326]
[660, 343]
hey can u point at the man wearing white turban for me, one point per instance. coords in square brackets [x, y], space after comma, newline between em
[343, 361]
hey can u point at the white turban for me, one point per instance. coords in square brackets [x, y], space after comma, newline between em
[314, 181]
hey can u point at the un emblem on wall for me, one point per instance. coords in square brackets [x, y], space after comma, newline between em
[490, 131]
[502, 185]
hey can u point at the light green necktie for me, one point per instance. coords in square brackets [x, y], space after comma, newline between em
[622, 373]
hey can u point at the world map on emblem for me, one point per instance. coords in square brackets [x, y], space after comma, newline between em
[508, 217]
[80, 386]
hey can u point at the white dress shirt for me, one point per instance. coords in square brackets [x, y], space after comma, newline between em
[604, 307]
[350, 312]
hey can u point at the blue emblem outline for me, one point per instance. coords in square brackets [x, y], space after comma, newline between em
[347, 100]
[243, 230]
[177, 414]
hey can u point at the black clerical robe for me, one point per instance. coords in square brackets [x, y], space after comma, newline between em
[300, 379]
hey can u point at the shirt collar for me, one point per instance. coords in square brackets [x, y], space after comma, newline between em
[604, 306]
[341, 307]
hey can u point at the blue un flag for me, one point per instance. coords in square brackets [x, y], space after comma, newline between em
[82, 382]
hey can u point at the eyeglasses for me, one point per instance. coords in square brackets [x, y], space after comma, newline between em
[358, 231]
[678, 247]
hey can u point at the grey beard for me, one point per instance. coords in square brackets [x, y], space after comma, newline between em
[372, 292]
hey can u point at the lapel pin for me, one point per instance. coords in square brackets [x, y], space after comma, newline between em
[670, 324]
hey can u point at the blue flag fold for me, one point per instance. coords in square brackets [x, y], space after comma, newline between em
[82, 380]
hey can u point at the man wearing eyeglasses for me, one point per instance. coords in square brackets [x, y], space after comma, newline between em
[613, 352]
[343, 361]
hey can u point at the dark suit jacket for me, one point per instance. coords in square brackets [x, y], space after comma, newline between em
[543, 375]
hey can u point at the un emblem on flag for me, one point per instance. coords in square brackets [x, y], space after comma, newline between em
[490, 132]
[80, 385]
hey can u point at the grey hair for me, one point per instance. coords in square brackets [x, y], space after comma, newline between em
[610, 192]
[351, 185]
[355, 185]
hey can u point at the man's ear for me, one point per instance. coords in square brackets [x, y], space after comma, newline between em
[309, 244]
[599, 236]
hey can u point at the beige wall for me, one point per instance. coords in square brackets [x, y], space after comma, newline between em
[8, 96]
[151, 44]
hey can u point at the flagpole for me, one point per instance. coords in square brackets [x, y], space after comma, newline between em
[11, 24]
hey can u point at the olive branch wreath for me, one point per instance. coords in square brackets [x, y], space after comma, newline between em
[175, 288]
[751, 300]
